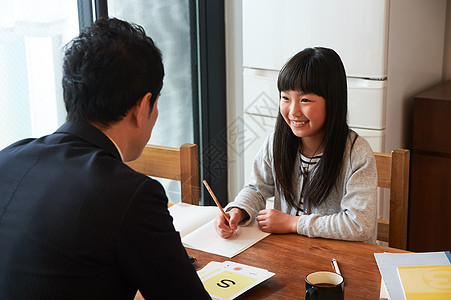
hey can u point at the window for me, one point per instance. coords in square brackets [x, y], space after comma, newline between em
[32, 35]
[190, 34]
[170, 24]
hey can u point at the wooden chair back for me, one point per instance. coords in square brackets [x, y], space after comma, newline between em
[393, 171]
[179, 164]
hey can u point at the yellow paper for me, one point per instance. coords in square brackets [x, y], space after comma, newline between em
[428, 282]
[226, 284]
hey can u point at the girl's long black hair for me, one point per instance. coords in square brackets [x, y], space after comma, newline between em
[319, 71]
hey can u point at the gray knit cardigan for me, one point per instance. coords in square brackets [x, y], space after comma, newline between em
[348, 213]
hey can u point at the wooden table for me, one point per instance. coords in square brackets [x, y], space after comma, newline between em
[292, 257]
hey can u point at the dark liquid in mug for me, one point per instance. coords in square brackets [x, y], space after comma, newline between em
[325, 285]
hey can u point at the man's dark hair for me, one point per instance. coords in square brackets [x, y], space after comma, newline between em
[109, 67]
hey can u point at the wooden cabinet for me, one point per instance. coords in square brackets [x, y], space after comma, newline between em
[430, 184]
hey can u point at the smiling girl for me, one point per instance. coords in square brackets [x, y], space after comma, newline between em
[322, 174]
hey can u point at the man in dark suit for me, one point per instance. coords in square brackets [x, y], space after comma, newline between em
[75, 221]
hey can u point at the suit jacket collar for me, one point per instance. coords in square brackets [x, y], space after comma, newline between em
[90, 134]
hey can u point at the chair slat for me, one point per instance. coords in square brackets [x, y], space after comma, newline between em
[179, 164]
[393, 171]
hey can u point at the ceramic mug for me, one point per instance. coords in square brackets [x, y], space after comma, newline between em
[324, 285]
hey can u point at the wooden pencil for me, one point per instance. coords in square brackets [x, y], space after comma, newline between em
[216, 201]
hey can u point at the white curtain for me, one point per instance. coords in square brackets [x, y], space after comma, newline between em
[32, 34]
[38, 18]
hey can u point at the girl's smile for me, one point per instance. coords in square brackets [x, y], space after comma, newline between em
[299, 124]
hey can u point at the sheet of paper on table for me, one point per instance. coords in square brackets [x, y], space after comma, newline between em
[196, 227]
[388, 264]
[228, 280]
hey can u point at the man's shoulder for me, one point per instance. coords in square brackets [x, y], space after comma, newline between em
[16, 145]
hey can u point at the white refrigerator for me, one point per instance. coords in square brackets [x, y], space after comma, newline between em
[390, 49]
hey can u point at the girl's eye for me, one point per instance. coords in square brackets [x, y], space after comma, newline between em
[305, 100]
[284, 98]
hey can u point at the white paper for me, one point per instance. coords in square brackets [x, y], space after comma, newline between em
[213, 269]
[196, 226]
[384, 293]
[188, 218]
[207, 239]
[388, 263]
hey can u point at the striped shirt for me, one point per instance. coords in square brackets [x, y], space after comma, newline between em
[305, 168]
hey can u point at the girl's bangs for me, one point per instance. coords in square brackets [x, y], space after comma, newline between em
[302, 74]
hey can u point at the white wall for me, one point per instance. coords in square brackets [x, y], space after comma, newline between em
[234, 62]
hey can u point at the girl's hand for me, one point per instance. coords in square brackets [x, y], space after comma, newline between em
[225, 229]
[275, 221]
